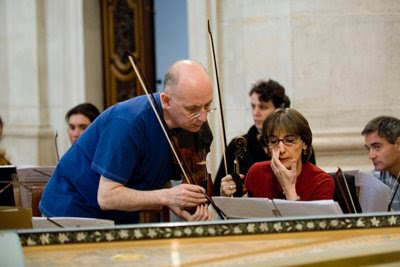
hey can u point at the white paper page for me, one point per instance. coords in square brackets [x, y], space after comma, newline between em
[28, 176]
[238, 207]
[374, 195]
[42, 222]
[301, 208]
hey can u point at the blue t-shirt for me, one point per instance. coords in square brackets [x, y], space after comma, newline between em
[125, 144]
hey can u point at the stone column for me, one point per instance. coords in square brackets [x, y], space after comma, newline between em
[28, 135]
[338, 61]
[50, 62]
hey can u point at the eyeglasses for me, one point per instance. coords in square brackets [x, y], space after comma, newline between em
[194, 114]
[289, 140]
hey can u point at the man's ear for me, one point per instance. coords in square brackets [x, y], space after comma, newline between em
[165, 100]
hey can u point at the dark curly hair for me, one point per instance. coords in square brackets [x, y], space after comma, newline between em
[271, 90]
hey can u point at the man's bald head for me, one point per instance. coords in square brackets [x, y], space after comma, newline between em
[188, 72]
[187, 95]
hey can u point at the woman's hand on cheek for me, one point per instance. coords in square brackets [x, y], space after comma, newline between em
[286, 178]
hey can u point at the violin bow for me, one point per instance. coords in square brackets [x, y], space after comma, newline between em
[56, 146]
[341, 174]
[221, 113]
[349, 192]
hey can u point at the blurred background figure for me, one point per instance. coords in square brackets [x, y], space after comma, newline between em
[3, 159]
[79, 118]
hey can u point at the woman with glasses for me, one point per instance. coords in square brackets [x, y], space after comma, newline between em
[289, 174]
[265, 97]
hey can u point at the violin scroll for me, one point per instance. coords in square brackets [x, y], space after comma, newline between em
[241, 148]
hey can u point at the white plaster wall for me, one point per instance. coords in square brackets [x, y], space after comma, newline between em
[4, 83]
[52, 62]
[338, 60]
[25, 108]
[346, 67]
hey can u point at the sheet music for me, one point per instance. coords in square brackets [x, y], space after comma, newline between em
[263, 207]
[289, 208]
[237, 207]
[29, 176]
[374, 195]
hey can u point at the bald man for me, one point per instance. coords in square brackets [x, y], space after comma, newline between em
[123, 163]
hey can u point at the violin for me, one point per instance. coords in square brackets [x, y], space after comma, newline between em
[241, 148]
[193, 149]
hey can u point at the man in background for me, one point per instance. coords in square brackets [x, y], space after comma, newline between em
[382, 140]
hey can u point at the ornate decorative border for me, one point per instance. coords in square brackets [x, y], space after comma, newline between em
[205, 229]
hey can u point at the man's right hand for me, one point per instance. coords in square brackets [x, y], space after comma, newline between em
[185, 196]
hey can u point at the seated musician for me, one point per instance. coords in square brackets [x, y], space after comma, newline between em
[122, 163]
[289, 174]
[265, 98]
[3, 159]
[382, 139]
[79, 118]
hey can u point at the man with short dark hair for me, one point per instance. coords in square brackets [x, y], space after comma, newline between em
[382, 139]
[79, 118]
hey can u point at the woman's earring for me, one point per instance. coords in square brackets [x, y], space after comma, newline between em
[305, 151]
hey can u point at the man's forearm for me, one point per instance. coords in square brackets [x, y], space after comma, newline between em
[115, 196]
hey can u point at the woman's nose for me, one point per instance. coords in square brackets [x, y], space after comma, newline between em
[281, 147]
